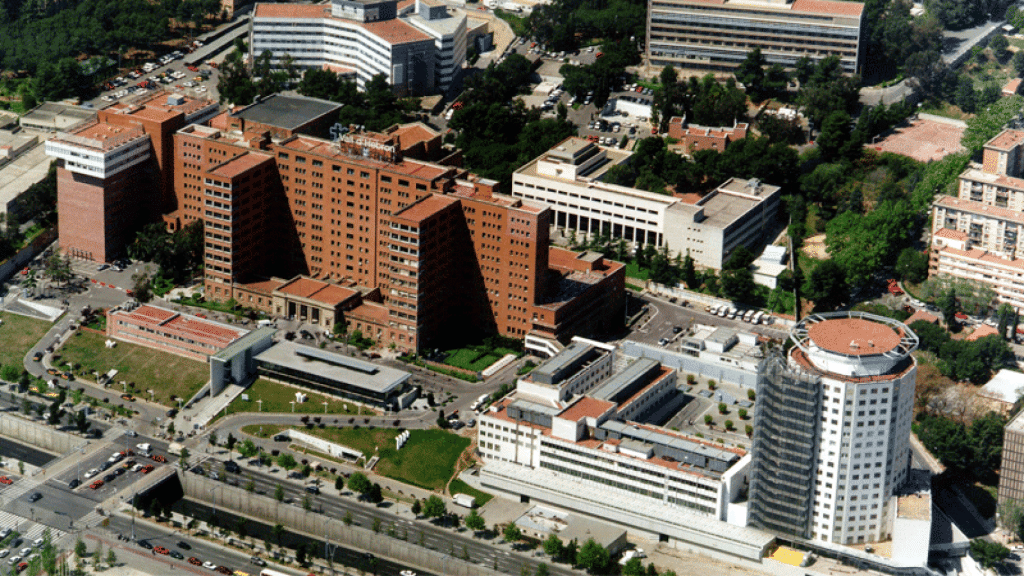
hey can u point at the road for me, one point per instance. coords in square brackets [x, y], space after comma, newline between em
[486, 552]
[665, 316]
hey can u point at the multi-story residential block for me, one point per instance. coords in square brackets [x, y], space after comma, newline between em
[115, 174]
[414, 252]
[977, 234]
[573, 435]
[1011, 471]
[420, 52]
[568, 179]
[831, 445]
[716, 35]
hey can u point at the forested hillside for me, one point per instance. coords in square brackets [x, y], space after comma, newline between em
[36, 31]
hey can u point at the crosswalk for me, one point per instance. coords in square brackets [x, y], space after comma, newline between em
[28, 529]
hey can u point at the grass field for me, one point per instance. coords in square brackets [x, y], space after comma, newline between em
[476, 358]
[18, 335]
[277, 397]
[459, 487]
[427, 460]
[164, 373]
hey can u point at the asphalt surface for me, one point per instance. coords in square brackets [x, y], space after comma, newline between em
[12, 450]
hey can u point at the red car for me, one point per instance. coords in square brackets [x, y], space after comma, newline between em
[161, 550]
[158, 458]
[6, 480]
[96, 484]
[147, 469]
[195, 561]
[22, 566]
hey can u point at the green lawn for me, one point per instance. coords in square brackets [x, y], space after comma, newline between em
[476, 358]
[164, 373]
[277, 397]
[427, 460]
[18, 335]
[459, 487]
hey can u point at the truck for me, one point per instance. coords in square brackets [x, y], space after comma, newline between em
[464, 500]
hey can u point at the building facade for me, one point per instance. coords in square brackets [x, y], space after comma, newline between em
[831, 444]
[115, 174]
[170, 331]
[420, 52]
[976, 234]
[568, 178]
[716, 35]
[1011, 471]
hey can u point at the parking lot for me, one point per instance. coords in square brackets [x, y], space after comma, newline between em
[166, 72]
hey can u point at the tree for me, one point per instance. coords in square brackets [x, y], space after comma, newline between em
[634, 567]
[358, 482]
[475, 521]
[1011, 517]
[835, 132]
[434, 507]
[826, 286]
[286, 461]
[988, 554]
[912, 265]
[212, 438]
[279, 493]
[80, 548]
[947, 440]
[442, 422]
[592, 557]
[512, 533]
[862, 244]
[375, 495]
[542, 570]
[183, 458]
[966, 97]
[347, 519]
[339, 483]
[417, 507]
[300, 554]
[999, 44]
[553, 545]
[1018, 62]
[231, 441]
[750, 73]
[277, 531]
[947, 305]
[689, 272]
[111, 557]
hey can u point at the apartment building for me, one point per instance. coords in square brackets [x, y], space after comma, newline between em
[115, 173]
[831, 444]
[1011, 471]
[419, 52]
[716, 35]
[568, 178]
[976, 234]
[573, 435]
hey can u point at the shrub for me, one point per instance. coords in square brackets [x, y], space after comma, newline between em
[728, 424]
[722, 408]
[712, 384]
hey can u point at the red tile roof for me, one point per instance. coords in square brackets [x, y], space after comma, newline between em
[981, 332]
[370, 311]
[317, 290]
[411, 134]
[981, 208]
[292, 10]
[184, 325]
[425, 208]
[1006, 139]
[922, 316]
[950, 234]
[1012, 86]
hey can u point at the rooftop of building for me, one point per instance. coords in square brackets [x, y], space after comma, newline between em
[193, 327]
[827, 8]
[1006, 386]
[243, 343]
[286, 112]
[317, 290]
[448, 25]
[240, 164]
[637, 370]
[1016, 424]
[290, 10]
[922, 316]
[101, 136]
[981, 332]
[914, 506]
[1012, 86]
[160, 105]
[950, 234]
[983, 209]
[393, 31]
[727, 203]
[370, 311]
[412, 133]
[57, 116]
[587, 407]
[1006, 140]
[853, 336]
[424, 208]
[327, 149]
[334, 367]
[1014, 265]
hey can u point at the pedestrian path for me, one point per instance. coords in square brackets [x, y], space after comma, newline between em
[208, 408]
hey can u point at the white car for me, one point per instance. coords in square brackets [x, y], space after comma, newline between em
[407, 573]
[14, 560]
[209, 565]
[38, 542]
[91, 473]
[4, 553]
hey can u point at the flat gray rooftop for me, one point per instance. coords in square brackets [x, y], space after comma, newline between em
[342, 369]
[611, 387]
[547, 372]
[244, 342]
[54, 116]
[288, 112]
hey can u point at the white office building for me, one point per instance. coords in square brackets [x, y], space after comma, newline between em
[568, 178]
[831, 445]
[588, 450]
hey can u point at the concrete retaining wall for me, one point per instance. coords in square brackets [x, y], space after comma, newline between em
[39, 435]
[18, 261]
[272, 512]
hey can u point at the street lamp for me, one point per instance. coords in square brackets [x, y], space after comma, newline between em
[260, 403]
[150, 395]
[293, 406]
[325, 407]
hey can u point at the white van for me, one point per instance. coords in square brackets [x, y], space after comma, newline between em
[714, 310]
[732, 313]
[757, 318]
[144, 448]
[264, 323]
[749, 315]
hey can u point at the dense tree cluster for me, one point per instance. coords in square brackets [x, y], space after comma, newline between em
[376, 108]
[35, 32]
[563, 24]
[703, 101]
[976, 448]
[179, 255]
[894, 37]
[959, 14]
[240, 83]
[497, 136]
[973, 361]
